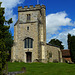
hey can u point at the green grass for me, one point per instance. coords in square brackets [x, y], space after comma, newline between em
[43, 68]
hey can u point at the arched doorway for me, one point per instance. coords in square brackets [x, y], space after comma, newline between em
[28, 56]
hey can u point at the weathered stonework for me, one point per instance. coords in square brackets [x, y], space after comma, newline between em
[37, 31]
[56, 53]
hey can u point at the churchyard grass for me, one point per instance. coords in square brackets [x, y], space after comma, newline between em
[43, 68]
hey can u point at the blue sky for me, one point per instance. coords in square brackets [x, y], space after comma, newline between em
[60, 16]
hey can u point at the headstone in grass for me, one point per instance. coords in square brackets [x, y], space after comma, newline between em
[55, 61]
[23, 69]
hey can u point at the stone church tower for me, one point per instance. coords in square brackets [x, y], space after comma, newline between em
[30, 36]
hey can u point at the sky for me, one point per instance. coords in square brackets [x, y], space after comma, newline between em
[60, 16]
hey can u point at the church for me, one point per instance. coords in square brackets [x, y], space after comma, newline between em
[30, 37]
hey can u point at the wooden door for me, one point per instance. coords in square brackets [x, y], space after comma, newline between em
[29, 57]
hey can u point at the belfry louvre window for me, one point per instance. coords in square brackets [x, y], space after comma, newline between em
[28, 43]
[28, 17]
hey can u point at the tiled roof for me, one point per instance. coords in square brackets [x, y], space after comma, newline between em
[65, 52]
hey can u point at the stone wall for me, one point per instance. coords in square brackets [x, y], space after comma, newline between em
[20, 33]
[56, 53]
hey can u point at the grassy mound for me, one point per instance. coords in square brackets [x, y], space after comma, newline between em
[43, 68]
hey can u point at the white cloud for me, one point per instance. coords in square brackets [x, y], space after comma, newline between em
[9, 5]
[63, 37]
[55, 21]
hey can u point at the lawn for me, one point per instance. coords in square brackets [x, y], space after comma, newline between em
[43, 68]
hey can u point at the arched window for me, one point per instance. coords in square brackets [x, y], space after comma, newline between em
[28, 43]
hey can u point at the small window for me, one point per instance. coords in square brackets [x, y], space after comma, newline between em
[50, 54]
[27, 28]
[28, 17]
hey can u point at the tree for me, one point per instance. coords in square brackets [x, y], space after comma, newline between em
[56, 42]
[8, 44]
[4, 33]
[69, 40]
[71, 46]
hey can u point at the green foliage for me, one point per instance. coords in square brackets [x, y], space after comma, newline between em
[10, 21]
[2, 55]
[71, 46]
[8, 43]
[5, 39]
[56, 42]
[69, 40]
[43, 68]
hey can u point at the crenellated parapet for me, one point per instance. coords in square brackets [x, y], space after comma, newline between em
[31, 8]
